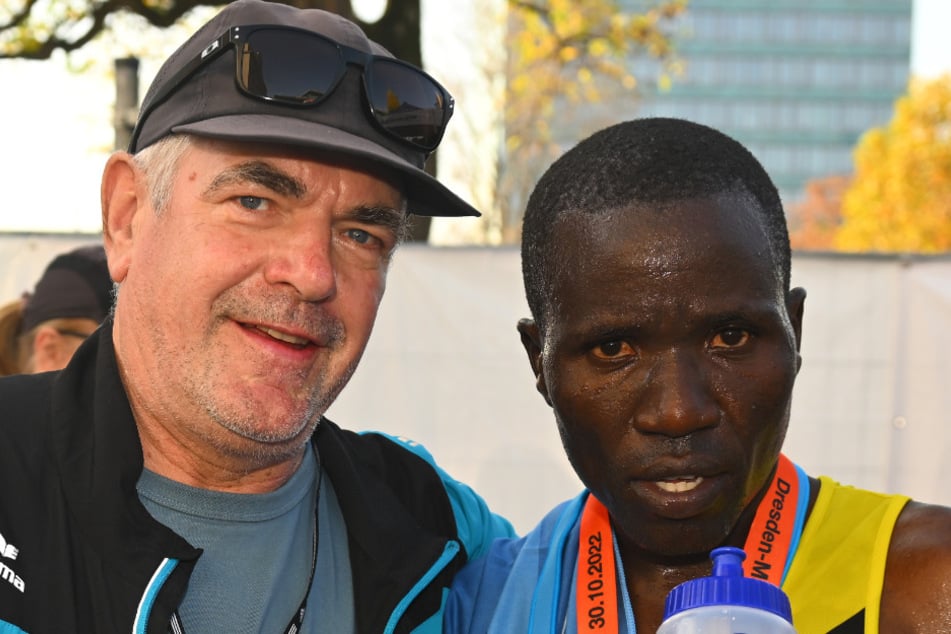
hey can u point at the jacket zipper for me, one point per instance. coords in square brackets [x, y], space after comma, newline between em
[449, 552]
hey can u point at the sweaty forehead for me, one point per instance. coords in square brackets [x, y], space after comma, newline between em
[660, 242]
[662, 267]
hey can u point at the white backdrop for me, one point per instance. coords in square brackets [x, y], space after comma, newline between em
[445, 367]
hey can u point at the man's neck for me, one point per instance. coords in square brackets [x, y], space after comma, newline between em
[197, 464]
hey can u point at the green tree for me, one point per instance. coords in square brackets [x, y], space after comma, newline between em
[900, 198]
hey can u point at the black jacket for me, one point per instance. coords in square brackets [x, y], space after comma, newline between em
[79, 553]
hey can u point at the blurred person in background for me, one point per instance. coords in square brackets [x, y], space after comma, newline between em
[41, 331]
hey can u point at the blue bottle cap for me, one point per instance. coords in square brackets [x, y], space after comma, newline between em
[728, 586]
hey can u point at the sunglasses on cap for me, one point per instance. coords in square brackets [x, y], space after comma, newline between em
[295, 67]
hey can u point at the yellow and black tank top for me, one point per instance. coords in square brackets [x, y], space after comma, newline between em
[835, 580]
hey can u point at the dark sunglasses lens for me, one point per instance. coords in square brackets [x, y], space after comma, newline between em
[407, 103]
[286, 66]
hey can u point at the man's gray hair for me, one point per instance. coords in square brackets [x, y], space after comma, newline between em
[158, 162]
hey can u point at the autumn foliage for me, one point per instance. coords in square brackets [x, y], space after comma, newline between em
[563, 54]
[900, 198]
[815, 221]
[560, 48]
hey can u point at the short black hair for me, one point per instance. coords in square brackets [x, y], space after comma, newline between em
[651, 160]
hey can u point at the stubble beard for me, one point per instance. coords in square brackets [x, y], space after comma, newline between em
[244, 414]
[269, 440]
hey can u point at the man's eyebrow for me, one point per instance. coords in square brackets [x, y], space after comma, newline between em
[260, 173]
[382, 216]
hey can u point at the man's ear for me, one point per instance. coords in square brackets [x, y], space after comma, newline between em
[123, 192]
[795, 306]
[531, 341]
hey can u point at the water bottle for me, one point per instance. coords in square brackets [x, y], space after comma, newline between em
[727, 602]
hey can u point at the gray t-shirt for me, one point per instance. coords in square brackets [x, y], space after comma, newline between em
[258, 550]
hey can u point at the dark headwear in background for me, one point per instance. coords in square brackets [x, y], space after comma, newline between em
[75, 285]
[210, 104]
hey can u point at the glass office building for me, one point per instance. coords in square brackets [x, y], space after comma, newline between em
[797, 81]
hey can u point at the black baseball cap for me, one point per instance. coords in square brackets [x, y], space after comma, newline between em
[75, 285]
[210, 104]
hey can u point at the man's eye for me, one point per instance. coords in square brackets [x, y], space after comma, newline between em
[253, 203]
[730, 338]
[360, 236]
[613, 350]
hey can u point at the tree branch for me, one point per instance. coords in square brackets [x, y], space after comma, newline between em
[18, 18]
[25, 48]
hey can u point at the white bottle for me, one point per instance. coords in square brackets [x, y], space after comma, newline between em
[727, 602]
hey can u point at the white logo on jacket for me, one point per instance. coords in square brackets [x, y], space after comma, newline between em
[9, 551]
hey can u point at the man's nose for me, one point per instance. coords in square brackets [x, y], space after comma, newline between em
[676, 398]
[304, 259]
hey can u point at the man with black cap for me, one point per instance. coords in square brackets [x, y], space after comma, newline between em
[178, 474]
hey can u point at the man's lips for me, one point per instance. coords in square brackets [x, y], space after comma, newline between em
[679, 484]
[681, 473]
[296, 339]
[681, 494]
[682, 487]
[293, 340]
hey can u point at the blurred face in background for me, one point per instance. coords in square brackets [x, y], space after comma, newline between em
[54, 343]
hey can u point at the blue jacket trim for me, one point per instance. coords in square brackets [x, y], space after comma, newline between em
[802, 505]
[450, 551]
[151, 591]
[432, 625]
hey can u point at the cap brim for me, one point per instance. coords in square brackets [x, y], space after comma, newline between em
[426, 196]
